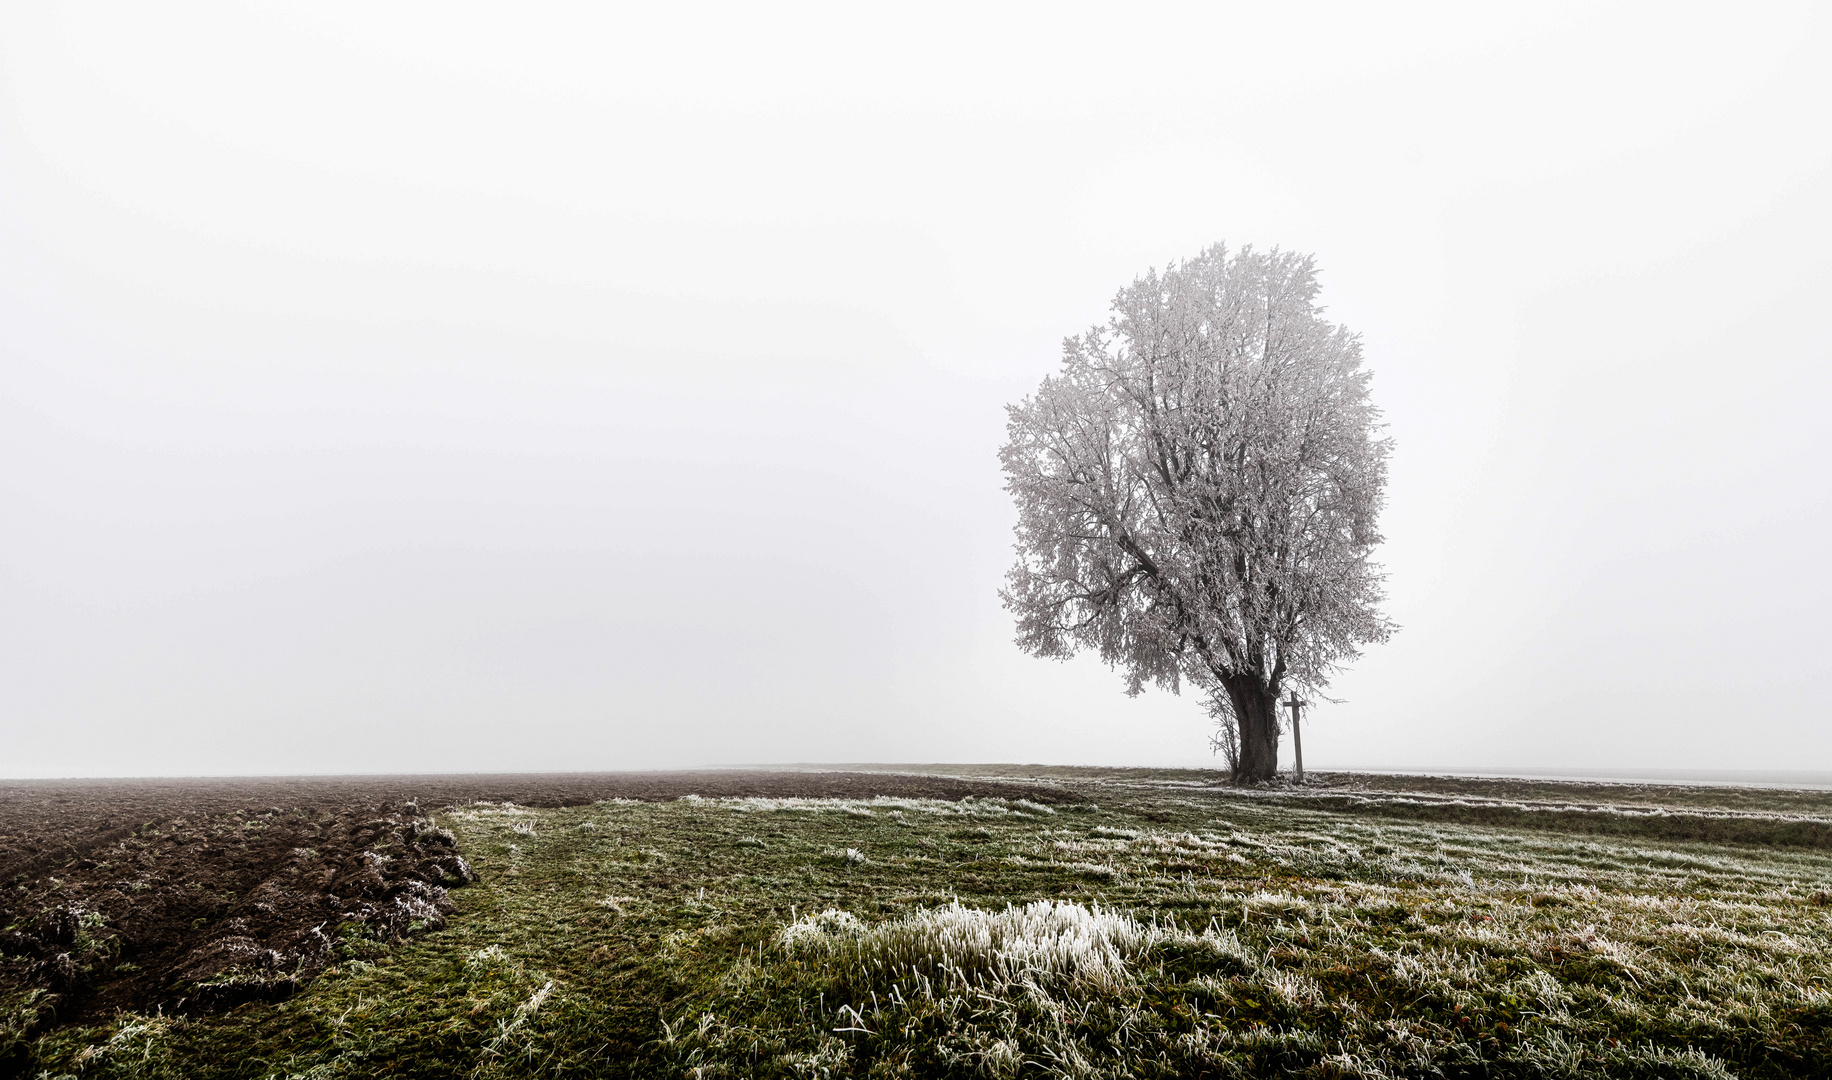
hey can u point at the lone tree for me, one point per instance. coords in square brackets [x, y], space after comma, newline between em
[1197, 492]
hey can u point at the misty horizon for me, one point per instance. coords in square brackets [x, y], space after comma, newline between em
[610, 392]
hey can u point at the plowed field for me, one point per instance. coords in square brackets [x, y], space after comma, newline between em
[197, 895]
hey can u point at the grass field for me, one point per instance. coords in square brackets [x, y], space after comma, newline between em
[1363, 926]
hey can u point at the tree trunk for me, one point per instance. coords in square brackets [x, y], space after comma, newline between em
[1256, 710]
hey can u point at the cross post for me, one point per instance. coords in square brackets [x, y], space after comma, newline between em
[1297, 740]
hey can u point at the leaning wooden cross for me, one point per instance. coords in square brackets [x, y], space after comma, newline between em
[1297, 740]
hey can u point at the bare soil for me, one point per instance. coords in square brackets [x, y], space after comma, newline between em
[196, 895]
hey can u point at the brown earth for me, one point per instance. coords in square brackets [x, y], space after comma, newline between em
[196, 895]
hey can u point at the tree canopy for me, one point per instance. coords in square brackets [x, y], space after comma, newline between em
[1197, 493]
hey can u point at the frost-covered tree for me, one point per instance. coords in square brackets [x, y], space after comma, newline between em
[1197, 492]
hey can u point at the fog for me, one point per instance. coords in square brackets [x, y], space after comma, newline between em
[449, 388]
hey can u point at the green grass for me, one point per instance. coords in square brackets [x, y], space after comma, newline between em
[1187, 933]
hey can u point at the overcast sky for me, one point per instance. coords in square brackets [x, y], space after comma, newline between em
[394, 388]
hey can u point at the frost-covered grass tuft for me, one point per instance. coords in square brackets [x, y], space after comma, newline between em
[820, 931]
[1045, 940]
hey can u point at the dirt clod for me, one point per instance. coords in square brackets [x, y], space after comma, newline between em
[209, 911]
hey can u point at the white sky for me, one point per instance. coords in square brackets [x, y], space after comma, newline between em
[518, 387]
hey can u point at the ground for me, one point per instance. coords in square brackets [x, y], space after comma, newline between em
[946, 921]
